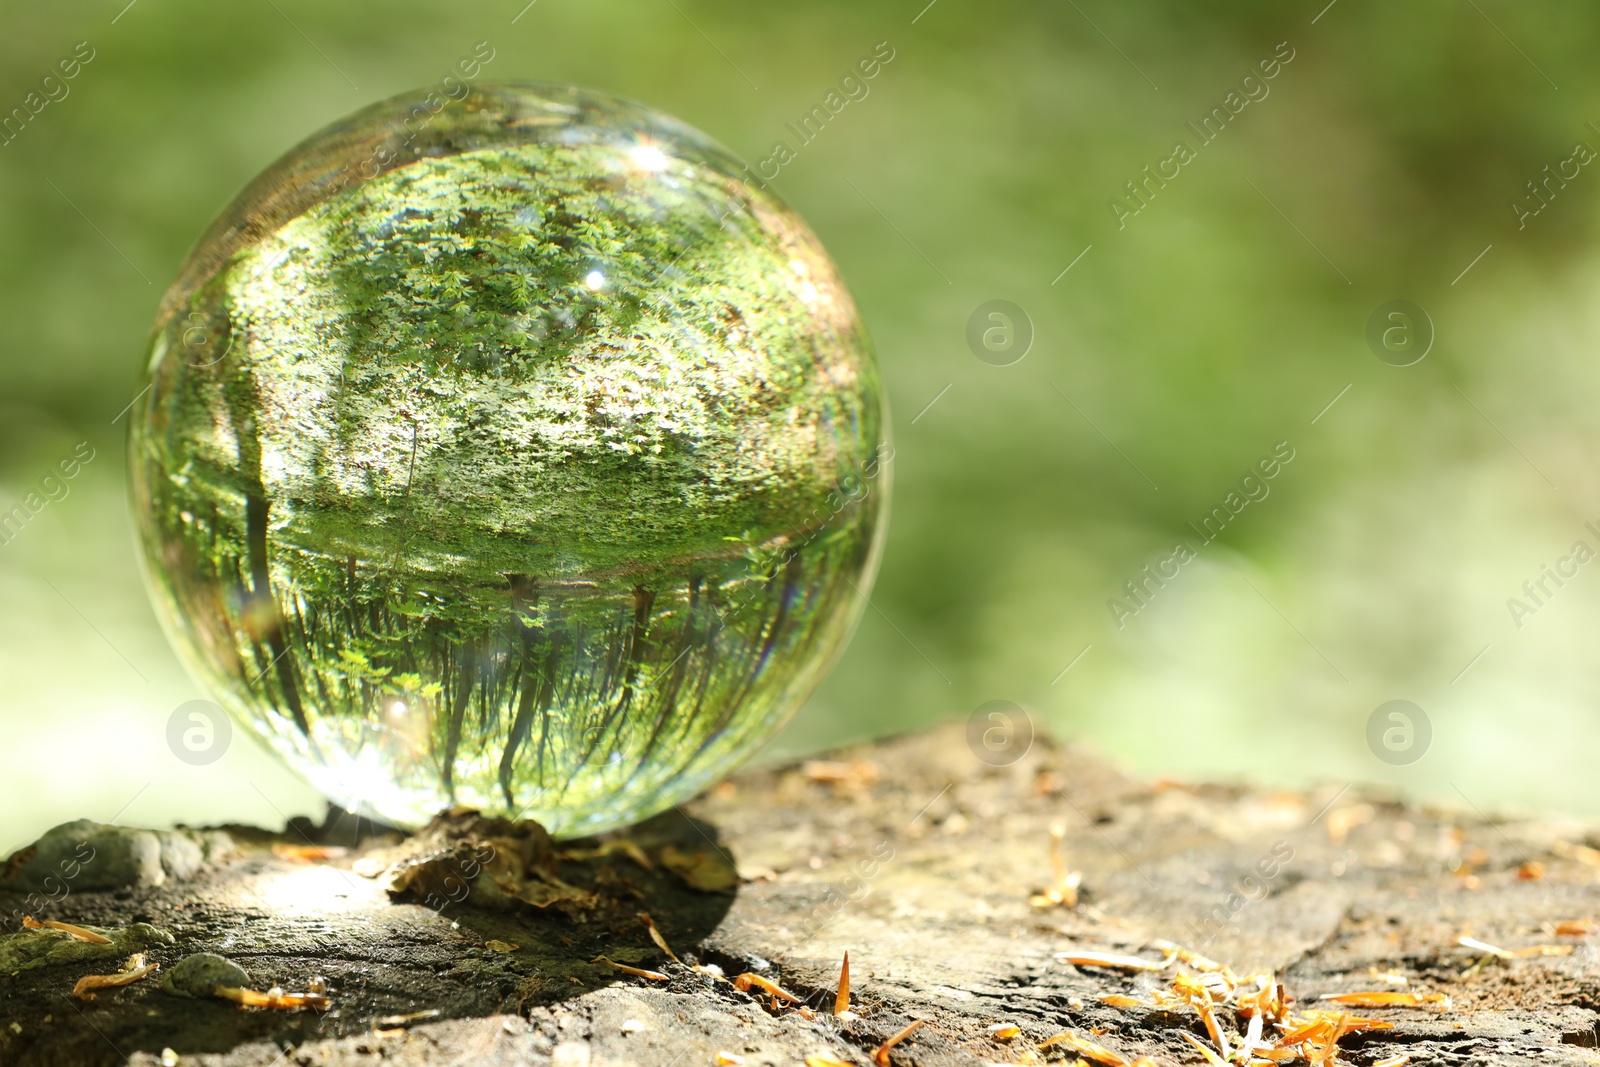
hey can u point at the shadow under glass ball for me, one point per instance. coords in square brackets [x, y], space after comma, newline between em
[1400, 333]
[1399, 732]
[508, 459]
[999, 333]
[999, 732]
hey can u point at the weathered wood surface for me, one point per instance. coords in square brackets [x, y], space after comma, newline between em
[924, 875]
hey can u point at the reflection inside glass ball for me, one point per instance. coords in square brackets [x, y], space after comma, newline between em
[529, 458]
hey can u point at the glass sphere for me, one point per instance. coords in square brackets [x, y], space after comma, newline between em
[521, 451]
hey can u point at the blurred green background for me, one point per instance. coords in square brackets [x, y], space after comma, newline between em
[1175, 353]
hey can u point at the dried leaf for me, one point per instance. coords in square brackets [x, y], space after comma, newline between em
[1086, 1048]
[1582, 853]
[1516, 954]
[626, 846]
[1063, 892]
[707, 870]
[132, 971]
[655, 935]
[1484, 946]
[881, 1057]
[1252, 1037]
[390, 1021]
[1313, 1029]
[499, 862]
[1390, 998]
[29, 923]
[274, 999]
[745, 981]
[637, 972]
[519, 877]
[629, 848]
[1204, 1049]
[856, 774]
[1350, 1023]
[1109, 960]
[1191, 957]
[1004, 1031]
[1214, 1028]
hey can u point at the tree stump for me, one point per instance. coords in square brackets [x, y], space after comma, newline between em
[917, 858]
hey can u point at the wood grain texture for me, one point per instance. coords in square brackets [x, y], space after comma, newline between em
[920, 862]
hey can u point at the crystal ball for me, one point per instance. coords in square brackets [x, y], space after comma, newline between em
[520, 451]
